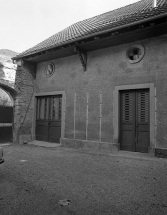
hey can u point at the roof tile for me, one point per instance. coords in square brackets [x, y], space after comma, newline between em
[129, 14]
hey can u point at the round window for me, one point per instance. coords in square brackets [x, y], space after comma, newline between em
[135, 53]
[49, 69]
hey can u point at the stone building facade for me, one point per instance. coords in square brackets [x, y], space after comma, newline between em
[103, 91]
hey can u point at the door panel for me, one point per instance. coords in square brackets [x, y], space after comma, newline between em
[134, 120]
[127, 140]
[55, 132]
[42, 131]
[48, 122]
[127, 121]
[142, 120]
[55, 119]
[42, 119]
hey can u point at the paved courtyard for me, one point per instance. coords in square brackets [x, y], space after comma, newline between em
[34, 180]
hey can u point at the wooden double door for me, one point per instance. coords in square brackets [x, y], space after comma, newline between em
[48, 118]
[134, 120]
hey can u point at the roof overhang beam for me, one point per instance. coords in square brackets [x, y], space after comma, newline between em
[82, 55]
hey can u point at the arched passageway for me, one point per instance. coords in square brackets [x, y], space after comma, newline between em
[7, 95]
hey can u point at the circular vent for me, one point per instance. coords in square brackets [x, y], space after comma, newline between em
[135, 53]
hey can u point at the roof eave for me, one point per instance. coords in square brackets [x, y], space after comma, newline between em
[94, 34]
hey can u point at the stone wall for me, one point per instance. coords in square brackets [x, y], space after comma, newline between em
[23, 107]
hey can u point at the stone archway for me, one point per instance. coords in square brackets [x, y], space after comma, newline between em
[6, 113]
[7, 84]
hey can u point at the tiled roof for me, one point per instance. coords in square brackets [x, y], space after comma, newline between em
[129, 14]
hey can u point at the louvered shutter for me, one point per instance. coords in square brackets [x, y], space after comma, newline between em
[143, 107]
[127, 107]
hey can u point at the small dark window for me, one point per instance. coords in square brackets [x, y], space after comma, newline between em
[135, 53]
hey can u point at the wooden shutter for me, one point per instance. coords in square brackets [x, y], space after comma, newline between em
[127, 120]
[127, 107]
[143, 107]
[142, 121]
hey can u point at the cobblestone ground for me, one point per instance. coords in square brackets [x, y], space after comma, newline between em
[33, 180]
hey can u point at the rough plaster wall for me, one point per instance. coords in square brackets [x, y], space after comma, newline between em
[23, 108]
[107, 68]
[159, 68]
[69, 127]
[69, 76]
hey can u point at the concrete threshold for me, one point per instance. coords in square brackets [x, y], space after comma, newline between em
[44, 144]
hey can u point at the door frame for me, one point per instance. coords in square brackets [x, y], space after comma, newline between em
[53, 93]
[116, 112]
